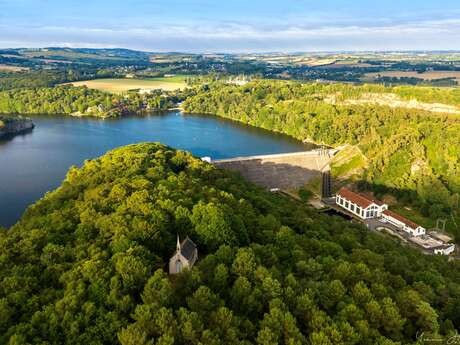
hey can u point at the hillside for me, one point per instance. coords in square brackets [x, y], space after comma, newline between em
[81, 101]
[411, 153]
[74, 56]
[85, 265]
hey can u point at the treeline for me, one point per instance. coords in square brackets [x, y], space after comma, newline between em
[86, 265]
[450, 82]
[48, 78]
[30, 79]
[341, 91]
[82, 101]
[412, 153]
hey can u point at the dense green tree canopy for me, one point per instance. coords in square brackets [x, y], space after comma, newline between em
[409, 152]
[86, 265]
[81, 101]
[33, 79]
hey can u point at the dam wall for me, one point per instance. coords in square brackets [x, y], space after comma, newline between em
[283, 171]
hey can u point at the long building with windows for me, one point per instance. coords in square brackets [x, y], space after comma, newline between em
[360, 205]
[366, 208]
[403, 223]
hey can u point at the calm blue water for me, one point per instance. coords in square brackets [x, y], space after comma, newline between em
[34, 163]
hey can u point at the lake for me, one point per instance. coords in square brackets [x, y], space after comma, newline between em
[36, 162]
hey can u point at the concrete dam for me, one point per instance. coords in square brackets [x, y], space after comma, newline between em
[283, 171]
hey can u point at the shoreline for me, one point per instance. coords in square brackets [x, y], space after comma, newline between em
[11, 126]
[142, 112]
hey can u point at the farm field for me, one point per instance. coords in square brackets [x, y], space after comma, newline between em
[124, 85]
[64, 54]
[431, 75]
[170, 58]
[10, 68]
[179, 78]
[344, 64]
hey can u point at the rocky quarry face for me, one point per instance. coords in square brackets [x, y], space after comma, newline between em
[14, 125]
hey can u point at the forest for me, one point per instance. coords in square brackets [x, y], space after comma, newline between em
[48, 78]
[446, 82]
[82, 101]
[87, 265]
[411, 153]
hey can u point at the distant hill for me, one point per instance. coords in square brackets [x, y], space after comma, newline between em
[82, 56]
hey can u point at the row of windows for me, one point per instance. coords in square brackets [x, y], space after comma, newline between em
[356, 209]
[350, 206]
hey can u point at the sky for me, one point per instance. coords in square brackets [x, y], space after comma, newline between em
[233, 25]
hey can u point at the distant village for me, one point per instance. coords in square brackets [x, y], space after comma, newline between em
[376, 216]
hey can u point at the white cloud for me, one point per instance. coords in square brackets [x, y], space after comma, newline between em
[227, 36]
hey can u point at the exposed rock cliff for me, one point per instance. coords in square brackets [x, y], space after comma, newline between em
[14, 125]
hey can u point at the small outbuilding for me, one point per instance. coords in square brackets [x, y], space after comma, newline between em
[185, 256]
[444, 249]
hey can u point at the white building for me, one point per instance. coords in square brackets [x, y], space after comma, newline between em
[445, 249]
[185, 256]
[359, 205]
[366, 208]
[405, 224]
[432, 245]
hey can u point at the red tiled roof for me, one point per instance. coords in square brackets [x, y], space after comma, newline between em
[357, 199]
[406, 221]
[378, 202]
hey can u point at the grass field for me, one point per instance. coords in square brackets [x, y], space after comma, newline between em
[345, 64]
[124, 85]
[431, 75]
[170, 58]
[9, 68]
[173, 79]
